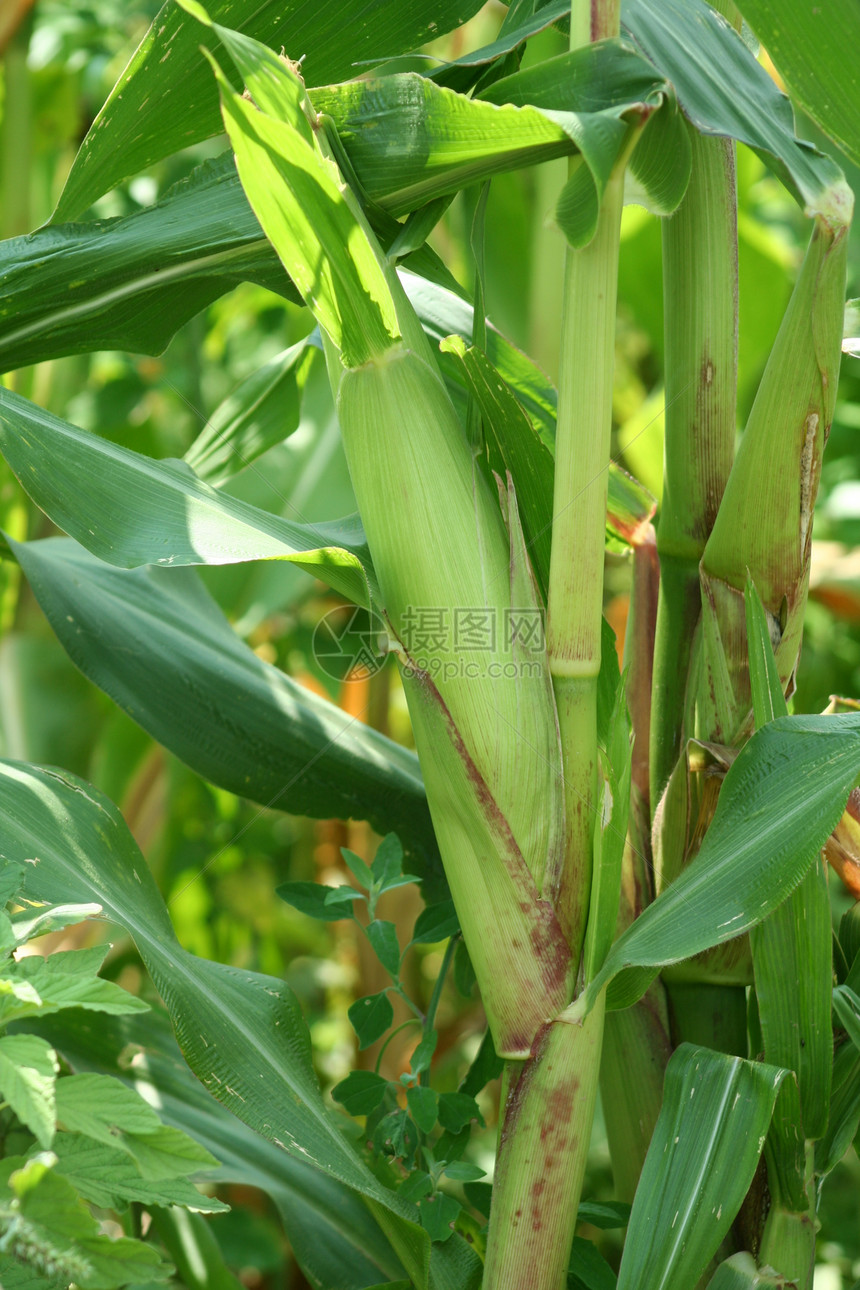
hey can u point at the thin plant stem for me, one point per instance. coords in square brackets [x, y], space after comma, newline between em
[575, 600]
[433, 1006]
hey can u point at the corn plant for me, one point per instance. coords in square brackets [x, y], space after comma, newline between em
[630, 862]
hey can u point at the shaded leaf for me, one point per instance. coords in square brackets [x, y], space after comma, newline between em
[67, 979]
[361, 1092]
[459, 1171]
[457, 1110]
[436, 923]
[588, 1269]
[605, 1214]
[103, 1108]
[110, 1178]
[383, 937]
[75, 288]
[359, 869]
[438, 1215]
[387, 864]
[371, 1017]
[422, 1103]
[312, 898]
[242, 1033]
[792, 955]
[261, 412]
[234, 719]
[423, 1053]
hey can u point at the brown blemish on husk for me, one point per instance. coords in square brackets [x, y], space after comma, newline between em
[548, 941]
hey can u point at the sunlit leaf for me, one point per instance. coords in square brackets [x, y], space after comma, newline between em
[145, 118]
[129, 509]
[762, 841]
[706, 1145]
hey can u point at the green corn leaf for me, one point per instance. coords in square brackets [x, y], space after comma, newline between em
[371, 1017]
[706, 1145]
[411, 140]
[767, 696]
[740, 1273]
[793, 978]
[791, 949]
[610, 834]
[28, 1078]
[443, 313]
[241, 1033]
[259, 413]
[844, 1120]
[130, 510]
[723, 90]
[297, 196]
[11, 878]
[205, 238]
[236, 720]
[194, 1249]
[827, 85]
[75, 288]
[847, 1007]
[329, 1227]
[142, 122]
[512, 445]
[517, 25]
[515, 443]
[762, 841]
[592, 83]
[849, 936]
[764, 523]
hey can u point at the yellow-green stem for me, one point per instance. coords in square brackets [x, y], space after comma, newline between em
[700, 291]
[542, 1156]
[575, 602]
